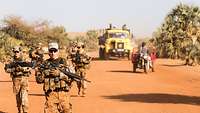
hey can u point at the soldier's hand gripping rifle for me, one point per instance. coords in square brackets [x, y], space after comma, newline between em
[67, 73]
[82, 59]
[19, 64]
[77, 58]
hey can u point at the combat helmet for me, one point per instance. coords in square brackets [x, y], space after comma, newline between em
[80, 44]
[17, 49]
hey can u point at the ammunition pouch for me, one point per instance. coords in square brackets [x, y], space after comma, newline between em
[20, 71]
[20, 74]
[56, 90]
[25, 69]
[39, 79]
[55, 84]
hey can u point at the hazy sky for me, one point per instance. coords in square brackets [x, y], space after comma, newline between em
[142, 16]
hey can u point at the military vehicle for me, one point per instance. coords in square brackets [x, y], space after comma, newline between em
[115, 42]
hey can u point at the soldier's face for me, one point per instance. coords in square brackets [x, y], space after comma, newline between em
[17, 54]
[78, 48]
[53, 53]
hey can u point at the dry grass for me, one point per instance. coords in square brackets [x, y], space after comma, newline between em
[76, 34]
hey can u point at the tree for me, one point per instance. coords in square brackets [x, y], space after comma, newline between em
[181, 25]
[16, 31]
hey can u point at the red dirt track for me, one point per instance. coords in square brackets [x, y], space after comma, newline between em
[173, 88]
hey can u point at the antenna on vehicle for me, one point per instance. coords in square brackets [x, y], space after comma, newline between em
[110, 26]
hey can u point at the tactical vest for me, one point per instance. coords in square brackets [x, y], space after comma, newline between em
[81, 60]
[16, 70]
[52, 83]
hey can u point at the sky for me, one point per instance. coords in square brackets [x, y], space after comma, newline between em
[143, 17]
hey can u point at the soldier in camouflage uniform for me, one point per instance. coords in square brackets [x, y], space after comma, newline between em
[37, 55]
[56, 85]
[71, 51]
[19, 74]
[81, 61]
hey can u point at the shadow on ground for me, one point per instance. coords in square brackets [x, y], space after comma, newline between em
[173, 65]
[31, 94]
[157, 98]
[124, 71]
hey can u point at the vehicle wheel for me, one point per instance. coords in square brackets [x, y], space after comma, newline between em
[101, 53]
[152, 67]
[145, 68]
[128, 56]
[119, 56]
[107, 56]
[134, 67]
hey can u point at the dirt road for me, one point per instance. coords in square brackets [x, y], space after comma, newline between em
[173, 88]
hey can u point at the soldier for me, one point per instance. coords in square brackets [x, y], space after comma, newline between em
[71, 51]
[56, 84]
[19, 70]
[81, 61]
[143, 50]
[37, 55]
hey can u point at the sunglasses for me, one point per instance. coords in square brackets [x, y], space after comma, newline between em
[16, 51]
[53, 50]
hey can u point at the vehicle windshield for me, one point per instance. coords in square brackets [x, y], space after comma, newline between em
[118, 35]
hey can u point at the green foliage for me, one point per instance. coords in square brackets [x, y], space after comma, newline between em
[6, 45]
[16, 31]
[179, 32]
[92, 40]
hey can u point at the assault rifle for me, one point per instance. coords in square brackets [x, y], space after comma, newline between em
[79, 57]
[67, 73]
[19, 64]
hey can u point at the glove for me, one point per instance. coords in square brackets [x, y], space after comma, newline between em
[18, 69]
[54, 72]
[26, 69]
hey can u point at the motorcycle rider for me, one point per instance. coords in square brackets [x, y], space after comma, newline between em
[144, 54]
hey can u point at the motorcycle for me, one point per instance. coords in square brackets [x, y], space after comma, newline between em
[142, 62]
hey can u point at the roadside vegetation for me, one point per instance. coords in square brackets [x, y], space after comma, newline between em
[179, 35]
[16, 31]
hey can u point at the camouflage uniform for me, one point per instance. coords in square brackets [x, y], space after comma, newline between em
[36, 55]
[71, 54]
[19, 77]
[81, 61]
[55, 85]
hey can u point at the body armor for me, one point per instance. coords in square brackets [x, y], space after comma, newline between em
[52, 82]
[18, 68]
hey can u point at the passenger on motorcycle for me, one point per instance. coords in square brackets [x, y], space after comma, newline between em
[144, 54]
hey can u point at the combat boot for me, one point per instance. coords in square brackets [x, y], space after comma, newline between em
[79, 91]
[20, 110]
[83, 92]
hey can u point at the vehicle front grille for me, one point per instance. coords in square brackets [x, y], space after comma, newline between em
[120, 45]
